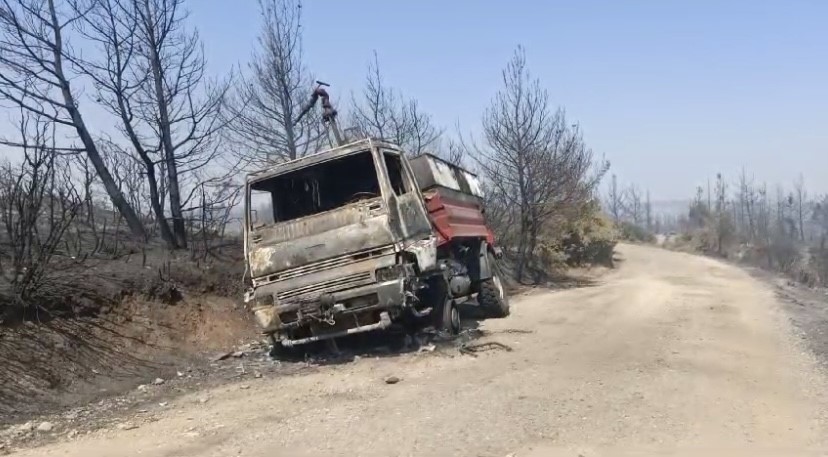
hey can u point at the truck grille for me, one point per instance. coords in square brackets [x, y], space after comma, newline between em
[333, 285]
[330, 263]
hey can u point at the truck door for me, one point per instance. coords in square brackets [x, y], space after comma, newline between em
[407, 213]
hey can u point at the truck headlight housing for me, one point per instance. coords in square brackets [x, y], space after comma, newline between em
[389, 273]
[264, 310]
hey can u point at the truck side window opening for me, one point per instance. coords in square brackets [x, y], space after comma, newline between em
[321, 188]
[261, 208]
[393, 164]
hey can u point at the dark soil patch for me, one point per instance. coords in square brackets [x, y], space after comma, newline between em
[61, 363]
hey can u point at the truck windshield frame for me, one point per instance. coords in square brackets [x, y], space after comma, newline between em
[315, 189]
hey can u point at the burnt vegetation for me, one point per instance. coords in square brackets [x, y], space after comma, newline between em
[782, 229]
[632, 212]
[541, 176]
[121, 179]
[123, 165]
[95, 211]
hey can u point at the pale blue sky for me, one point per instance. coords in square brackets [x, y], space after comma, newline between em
[671, 92]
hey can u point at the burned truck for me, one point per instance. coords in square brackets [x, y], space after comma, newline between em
[361, 238]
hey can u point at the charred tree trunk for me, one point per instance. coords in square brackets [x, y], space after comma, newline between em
[179, 228]
[115, 195]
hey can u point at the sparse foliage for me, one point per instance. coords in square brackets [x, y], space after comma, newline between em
[150, 74]
[38, 205]
[381, 112]
[783, 231]
[267, 101]
[536, 164]
[36, 75]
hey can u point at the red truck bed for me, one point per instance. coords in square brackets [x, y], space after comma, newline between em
[453, 197]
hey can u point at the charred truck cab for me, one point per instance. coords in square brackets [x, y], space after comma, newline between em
[359, 238]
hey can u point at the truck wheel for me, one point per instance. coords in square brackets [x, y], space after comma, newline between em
[492, 296]
[448, 317]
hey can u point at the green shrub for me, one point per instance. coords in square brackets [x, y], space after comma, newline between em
[633, 232]
[588, 239]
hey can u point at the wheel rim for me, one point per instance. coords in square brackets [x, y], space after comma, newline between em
[498, 285]
[455, 319]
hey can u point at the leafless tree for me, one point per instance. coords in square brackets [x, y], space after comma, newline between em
[119, 81]
[820, 218]
[265, 103]
[532, 158]
[38, 203]
[177, 101]
[747, 206]
[381, 112]
[150, 73]
[34, 75]
[801, 196]
[615, 200]
[648, 212]
[783, 231]
[724, 228]
[633, 207]
[212, 205]
[452, 151]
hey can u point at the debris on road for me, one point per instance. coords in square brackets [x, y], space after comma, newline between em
[158, 381]
[223, 356]
[473, 349]
[516, 330]
[392, 380]
[252, 348]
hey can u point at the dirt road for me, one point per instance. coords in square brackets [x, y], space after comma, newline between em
[671, 352]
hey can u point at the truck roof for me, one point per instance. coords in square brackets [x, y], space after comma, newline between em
[432, 171]
[319, 157]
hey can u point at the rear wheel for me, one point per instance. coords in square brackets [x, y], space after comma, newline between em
[492, 296]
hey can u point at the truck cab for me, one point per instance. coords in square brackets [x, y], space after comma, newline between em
[349, 240]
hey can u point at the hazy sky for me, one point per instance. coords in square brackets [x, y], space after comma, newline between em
[671, 92]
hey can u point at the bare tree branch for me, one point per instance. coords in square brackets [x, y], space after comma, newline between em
[382, 113]
[33, 76]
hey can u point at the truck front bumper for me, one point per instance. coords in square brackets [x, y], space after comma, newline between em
[384, 322]
[378, 302]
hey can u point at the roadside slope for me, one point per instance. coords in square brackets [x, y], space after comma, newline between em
[670, 352]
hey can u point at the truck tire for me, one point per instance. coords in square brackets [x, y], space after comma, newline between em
[448, 317]
[492, 295]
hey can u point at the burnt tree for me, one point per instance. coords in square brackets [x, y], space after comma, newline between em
[266, 102]
[533, 159]
[381, 112]
[35, 77]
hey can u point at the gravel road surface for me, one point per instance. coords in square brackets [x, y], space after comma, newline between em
[670, 353]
